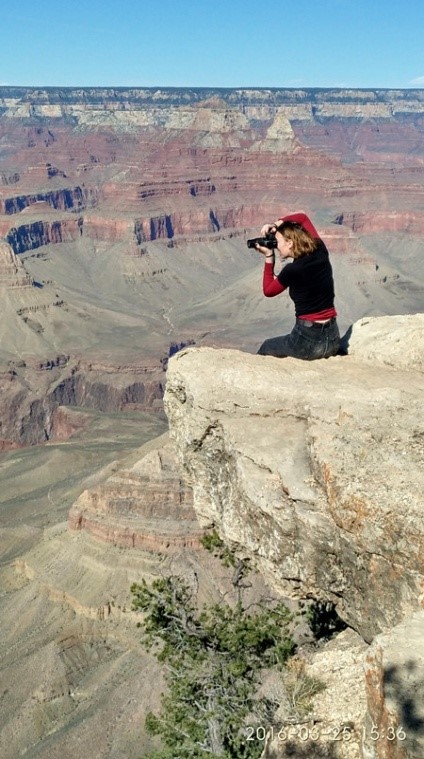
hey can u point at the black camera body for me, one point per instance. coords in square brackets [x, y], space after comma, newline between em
[269, 241]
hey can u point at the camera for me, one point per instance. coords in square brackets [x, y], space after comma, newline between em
[269, 241]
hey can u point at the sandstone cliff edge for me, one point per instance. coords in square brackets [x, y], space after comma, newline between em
[314, 471]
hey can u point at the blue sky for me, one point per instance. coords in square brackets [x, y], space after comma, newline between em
[239, 43]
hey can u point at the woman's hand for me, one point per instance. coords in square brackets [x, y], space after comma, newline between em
[267, 228]
[265, 251]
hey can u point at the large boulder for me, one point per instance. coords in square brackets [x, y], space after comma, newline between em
[313, 469]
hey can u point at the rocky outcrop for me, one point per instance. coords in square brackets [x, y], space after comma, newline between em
[314, 472]
[334, 726]
[372, 703]
[12, 273]
[147, 507]
[314, 476]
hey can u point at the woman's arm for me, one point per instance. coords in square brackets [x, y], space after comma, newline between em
[298, 218]
[303, 220]
[270, 284]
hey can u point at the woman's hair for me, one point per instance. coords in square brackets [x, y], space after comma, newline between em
[303, 243]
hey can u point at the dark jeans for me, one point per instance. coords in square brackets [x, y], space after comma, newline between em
[307, 340]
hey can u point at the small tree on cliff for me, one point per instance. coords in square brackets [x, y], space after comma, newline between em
[213, 659]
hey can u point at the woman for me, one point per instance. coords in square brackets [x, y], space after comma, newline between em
[309, 279]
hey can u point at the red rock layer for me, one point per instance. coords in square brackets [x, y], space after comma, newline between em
[213, 169]
[147, 507]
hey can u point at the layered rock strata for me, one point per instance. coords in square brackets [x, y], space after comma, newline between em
[33, 395]
[158, 163]
[27, 102]
[34, 234]
[74, 198]
[146, 507]
[76, 678]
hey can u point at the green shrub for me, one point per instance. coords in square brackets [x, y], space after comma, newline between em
[213, 660]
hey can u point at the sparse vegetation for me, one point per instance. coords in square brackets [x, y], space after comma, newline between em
[215, 545]
[299, 688]
[213, 659]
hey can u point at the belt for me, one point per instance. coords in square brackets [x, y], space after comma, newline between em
[307, 323]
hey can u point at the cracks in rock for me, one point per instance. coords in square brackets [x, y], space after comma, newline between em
[209, 432]
[178, 392]
[282, 412]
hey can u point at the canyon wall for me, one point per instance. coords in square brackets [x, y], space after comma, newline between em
[147, 508]
[145, 164]
[32, 395]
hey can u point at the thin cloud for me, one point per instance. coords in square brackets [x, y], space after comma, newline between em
[419, 80]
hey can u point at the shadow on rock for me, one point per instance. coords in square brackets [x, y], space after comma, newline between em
[344, 342]
[401, 687]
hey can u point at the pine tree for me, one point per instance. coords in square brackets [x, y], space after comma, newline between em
[213, 659]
